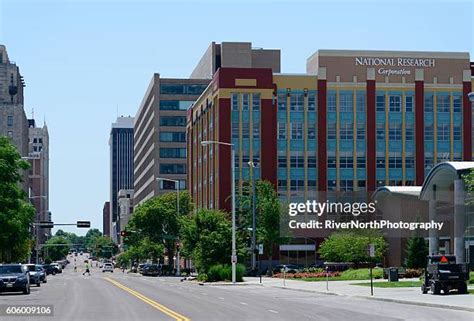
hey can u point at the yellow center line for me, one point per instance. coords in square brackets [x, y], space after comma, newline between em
[156, 305]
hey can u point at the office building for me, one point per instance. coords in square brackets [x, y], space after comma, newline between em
[106, 219]
[121, 166]
[125, 205]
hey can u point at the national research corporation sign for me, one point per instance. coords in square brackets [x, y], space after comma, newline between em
[395, 66]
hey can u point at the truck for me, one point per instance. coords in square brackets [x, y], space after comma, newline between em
[442, 273]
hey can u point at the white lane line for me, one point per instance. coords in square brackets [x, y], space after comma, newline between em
[221, 298]
[243, 303]
[272, 311]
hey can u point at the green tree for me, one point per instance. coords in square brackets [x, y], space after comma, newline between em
[103, 246]
[417, 251]
[207, 238]
[469, 182]
[351, 246]
[56, 249]
[16, 214]
[91, 236]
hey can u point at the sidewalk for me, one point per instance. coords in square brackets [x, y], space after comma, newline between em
[400, 295]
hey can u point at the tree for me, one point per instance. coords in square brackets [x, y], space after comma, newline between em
[102, 246]
[56, 248]
[91, 235]
[351, 246]
[16, 214]
[469, 183]
[207, 238]
[417, 251]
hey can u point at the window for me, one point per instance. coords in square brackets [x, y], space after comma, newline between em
[311, 131]
[380, 131]
[311, 101]
[331, 102]
[409, 132]
[256, 130]
[361, 131]
[380, 161]
[282, 184]
[443, 132]
[10, 121]
[172, 89]
[281, 101]
[256, 102]
[429, 132]
[331, 162]
[361, 161]
[332, 185]
[296, 160]
[345, 102]
[346, 160]
[331, 130]
[195, 89]
[282, 161]
[172, 185]
[457, 132]
[245, 130]
[395, 132]
[428, 103]
[409, 162]
[311, 185]
[172, 137]
[380, 103]
[408, 103]
[395, 160]
[296, 130]
[173, 152]
[346, 185]
[234, 97]
[429, 162]
[281, 130]
[175, 105]
[395, 103]
[297, 102]
[172, 168]
[443, 103]
[172, 121]
[235, 129]
[457, 103]
[311, 161]
[297, 185]
[245, 102]
[360, 101]
[346, 131]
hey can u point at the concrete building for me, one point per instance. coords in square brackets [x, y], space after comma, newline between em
[125, 205]
[11, 81]
[39, 175]
[121, 166]
[237, 55]
[160, 140]
[106, 219]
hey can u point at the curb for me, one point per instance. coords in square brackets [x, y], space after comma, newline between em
[425, 304]
[227, 284]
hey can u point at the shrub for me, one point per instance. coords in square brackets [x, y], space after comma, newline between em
[220, 272]
[202, 277]
[413, 273]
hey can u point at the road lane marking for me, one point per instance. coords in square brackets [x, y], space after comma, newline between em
[243, 303]
[156, 305]
[272, 311]
[221, 298]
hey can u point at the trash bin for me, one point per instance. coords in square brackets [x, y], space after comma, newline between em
[393, 274]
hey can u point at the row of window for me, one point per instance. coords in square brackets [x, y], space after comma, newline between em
[246, 130]
[172, 168]
[172, 136]
[178, 121]
[182, 89]
[297, 101]
[166, 152]
[296, 161]
[175, 104]
[245, 101]
[296, 130]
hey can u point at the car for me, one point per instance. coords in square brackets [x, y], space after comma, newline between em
[288, 268]
[35, 274]
[151, 269]
[108, 267]
[42, 273]
[140, 267]
[14, 278]
[49, 269]
[58, 267]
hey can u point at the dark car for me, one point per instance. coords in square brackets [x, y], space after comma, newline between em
[49, 269]
[35, 272]
[14, 278]
[151, 269]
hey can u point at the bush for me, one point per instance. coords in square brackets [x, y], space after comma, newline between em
[202, 277]
[221, 272]
[413, 273]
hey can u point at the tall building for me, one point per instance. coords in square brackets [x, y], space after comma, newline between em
[11, 81]
[160, 139]
[39, 175]
[106, 219]
[121, 166]
[125, 204]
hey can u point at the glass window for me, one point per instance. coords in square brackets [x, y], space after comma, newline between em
[172, 137]
[296, 130]
[311, 185]
[457, 129]
[345, 102]
[361, 131]
[331, 130]
[331, 102]
[256, 102]
[346, 160]
[395, 132]
[428, 103]
[429, 132]
[172, 89]
[380, 160]
[245, 130]
[380, 131]
[409, 132]
[173, 121]
[296, 102]
[245, 102]
[443, 103]
[234, 97]
[380, 103]
[281, 101]
[346, 185]
[429, 162]
[395, 103]
[10, 121]
[311, 101]
[297, 185]
[172, 152]
[409, 162]
[360, 101]
[195, 89]
[312, 162]
[395, 160]
[174, 105]
[331, 161]
[346, 131]
[408, 103]
[235, 129]
[311, 131]
[457, 103]
[281, 130]
[282, 161]
[443, 132]
[256, 130]
[360, 161]
[172, 168]
[296, 160]
[332, 185]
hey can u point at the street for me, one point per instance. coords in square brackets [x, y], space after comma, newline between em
[117, 296]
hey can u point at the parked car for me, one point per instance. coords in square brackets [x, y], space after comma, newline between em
[151, 269]
[108, 267]
[288, 268]
[14, 278]
[140, 267]
[35, 275]
[57, 266]
[49, 269]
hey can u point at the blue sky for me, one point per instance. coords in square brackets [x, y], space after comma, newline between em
[84, 60]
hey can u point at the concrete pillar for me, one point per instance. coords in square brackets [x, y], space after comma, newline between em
[459, 220]
[433, 241]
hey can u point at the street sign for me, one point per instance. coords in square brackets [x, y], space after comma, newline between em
[371, 250]
[260, 249]
[45, 224]
[85, 224]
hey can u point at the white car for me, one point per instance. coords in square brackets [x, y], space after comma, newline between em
[108, 267]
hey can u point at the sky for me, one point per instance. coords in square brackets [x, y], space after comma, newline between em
[85, 62]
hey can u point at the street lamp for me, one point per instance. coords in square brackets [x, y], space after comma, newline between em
[176, 184]
[254, 223]
[232, 169]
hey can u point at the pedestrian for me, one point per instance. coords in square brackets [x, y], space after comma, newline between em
[75, 267]
[87, 270]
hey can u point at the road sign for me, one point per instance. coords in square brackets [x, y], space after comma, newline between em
[371, 250]
[85, 224]
[45, 224]
[260, 249]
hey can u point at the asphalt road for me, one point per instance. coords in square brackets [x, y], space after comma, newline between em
[117, 296]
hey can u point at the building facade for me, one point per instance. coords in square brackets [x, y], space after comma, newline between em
[106, 219]
[121, 166]
[357, 120]
[125, 204]
[160, 139]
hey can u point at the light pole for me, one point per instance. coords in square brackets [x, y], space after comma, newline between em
[37, 228]
[176, 184]
[254, 220]
[232, 169]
